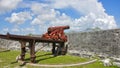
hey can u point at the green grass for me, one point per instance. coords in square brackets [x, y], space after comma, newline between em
[7, 59]
[47, 58]
[96, 64]
[2, 49]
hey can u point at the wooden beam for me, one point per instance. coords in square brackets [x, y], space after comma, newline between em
[23, 50]
[32, 51]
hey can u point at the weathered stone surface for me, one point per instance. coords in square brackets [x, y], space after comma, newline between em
[106, 42]
[8, 44]
[15, 45]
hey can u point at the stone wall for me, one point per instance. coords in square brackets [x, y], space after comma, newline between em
[15, 45]
[9, 44]
[105, 42]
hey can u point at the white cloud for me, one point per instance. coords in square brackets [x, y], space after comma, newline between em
[93, 15]
[49, 16]
[19, 18]
[93, 21]
[45, 15]
[63, 19]
[37, 8]
[83, 6]
[28, 30]
[8, 5]
[5, 30]
[93, 12]
[14, 30]
[20, 31]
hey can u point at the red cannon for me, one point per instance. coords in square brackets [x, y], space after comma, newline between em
[56, 33]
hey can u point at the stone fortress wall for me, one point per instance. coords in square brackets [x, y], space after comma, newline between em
[104, 42]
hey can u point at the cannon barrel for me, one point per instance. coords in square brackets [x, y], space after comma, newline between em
[50, 29]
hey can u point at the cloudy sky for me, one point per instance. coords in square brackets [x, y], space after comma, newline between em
[35, 16]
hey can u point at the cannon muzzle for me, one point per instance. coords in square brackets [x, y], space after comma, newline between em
[50, 29]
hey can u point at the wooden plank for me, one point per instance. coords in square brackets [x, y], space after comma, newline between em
[28, 38]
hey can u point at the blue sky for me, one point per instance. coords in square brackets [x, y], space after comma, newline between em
[35, 16]
[112, 8]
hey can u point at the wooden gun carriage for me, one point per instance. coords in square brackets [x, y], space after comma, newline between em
[54, 35]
